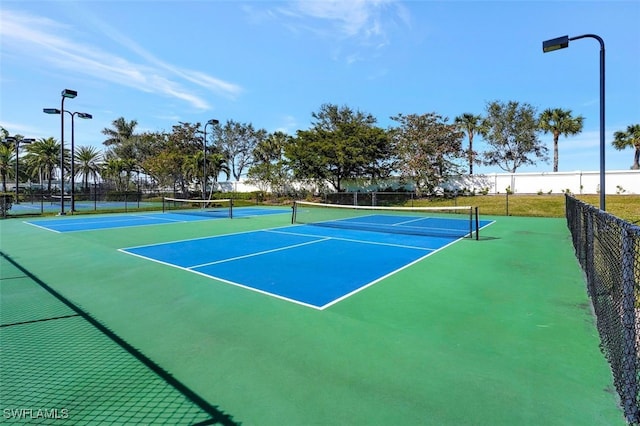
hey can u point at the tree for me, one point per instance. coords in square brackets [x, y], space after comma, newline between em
[6, 155]
[269, 170]
[341, 144]
[510, 130]
[629, 139]
[112, 169]
[122, 141]
[42, 159]
[88, 164]
[559, 122]
[121, 132]
[427, 148]
[217, 163]
[237, 142]
[192, 168]
[472, 124]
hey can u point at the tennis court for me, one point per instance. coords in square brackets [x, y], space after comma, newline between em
[454, 332]
[244, 259]
[89, 223]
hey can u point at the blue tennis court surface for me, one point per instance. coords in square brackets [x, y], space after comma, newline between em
[315, 266]
[91, 223]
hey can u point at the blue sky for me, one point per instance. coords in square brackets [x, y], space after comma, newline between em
[274, 63]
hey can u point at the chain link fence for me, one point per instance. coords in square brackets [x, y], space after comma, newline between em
[608, 249]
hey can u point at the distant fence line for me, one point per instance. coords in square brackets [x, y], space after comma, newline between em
[575, 182]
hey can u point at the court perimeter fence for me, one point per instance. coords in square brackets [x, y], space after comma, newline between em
[42, 202]
[608, 249]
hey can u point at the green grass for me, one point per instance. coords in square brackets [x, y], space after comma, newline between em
[626, 207]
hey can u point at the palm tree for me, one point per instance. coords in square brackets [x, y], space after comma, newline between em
[112, 168]
[218, 163]
[472, 124]
[122, 131]
[628, 139]
[42, 159]
[88, 162]
[129, 165]
[192, 168]
[559, 122]
[6, 155]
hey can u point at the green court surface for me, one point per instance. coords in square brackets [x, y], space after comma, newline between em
[491, 332]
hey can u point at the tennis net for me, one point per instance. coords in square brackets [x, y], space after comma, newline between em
[455, 222]
[210, 208]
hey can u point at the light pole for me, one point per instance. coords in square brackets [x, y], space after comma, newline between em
[561, 43]
[66, 93]
[213, 122]
[73, 172]
[17, 143]
[73, 175]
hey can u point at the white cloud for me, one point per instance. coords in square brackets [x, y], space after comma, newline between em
[364, 23]
[289, 125]
[37, 39]
[22, 129]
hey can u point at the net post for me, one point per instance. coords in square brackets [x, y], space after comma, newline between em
[230, 208]
[477, 225]
[164, 200]
[471, 222]
[293, 212]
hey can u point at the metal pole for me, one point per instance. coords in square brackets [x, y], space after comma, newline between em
[204, 163]
[602, 115]
[16, 201]
[73, 201]
[213, 122]
[62, 213]
[602, 106]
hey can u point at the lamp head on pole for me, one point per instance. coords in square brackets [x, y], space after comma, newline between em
[85, 115]
[51, 110]
[213, 122]
[555, 44]
[68, 93]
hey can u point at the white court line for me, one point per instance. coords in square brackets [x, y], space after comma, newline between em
[207, 237]
[259, 253]
[351, 240]
[377, 280]
[42, 227]
[246, 287]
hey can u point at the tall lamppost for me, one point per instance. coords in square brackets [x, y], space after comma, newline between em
[66, 93]
[17, 142]
[213, 122]
[73, 174]
[561, 43]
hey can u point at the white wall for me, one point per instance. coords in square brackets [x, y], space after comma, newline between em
[578, 182]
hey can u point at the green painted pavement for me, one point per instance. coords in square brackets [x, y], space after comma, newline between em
[489, 332]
